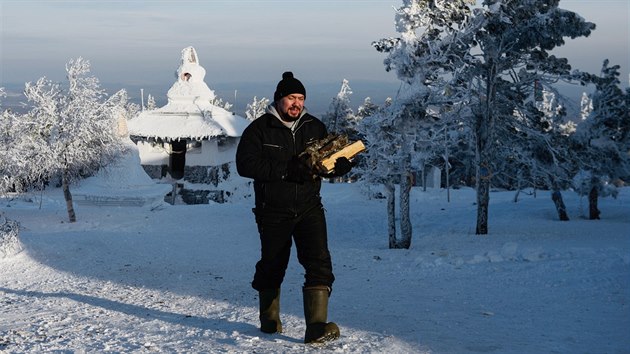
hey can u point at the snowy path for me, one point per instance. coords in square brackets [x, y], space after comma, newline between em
[176, 280]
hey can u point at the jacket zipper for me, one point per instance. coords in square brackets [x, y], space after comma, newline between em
[293, 132]
[295, 194]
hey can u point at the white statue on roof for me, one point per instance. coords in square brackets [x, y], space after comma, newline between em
[190, 139]
[190, 112]
[190, 86]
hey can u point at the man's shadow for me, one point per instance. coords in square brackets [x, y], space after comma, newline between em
[151, 314]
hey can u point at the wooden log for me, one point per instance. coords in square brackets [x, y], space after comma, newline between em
[349, 151]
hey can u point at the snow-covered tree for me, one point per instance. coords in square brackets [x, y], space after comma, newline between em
[534, 149]
[6, 123]
[511, 54]
[340, 118]
[256, 108]
[453, 145]
[586, 106]
[425, 58]
[366, 109]
[603, 138]
[379, 163]
[131, 109]
[22, 160]
[551, 153]
[68, 132]
[220, 103]
[151, 102]
[369, 116]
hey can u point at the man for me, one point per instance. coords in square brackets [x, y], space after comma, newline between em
[288, 208]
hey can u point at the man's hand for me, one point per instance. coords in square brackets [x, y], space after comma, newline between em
[342, 166]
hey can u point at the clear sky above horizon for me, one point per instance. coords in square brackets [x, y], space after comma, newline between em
[137, 42]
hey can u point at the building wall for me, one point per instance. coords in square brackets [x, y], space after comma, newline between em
[212, 152]
[152, 153]
[206, 160]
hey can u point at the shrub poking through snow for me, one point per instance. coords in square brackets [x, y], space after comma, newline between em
[9, 242]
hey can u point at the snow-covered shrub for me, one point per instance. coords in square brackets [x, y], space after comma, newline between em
[9, 242]
[583, 182]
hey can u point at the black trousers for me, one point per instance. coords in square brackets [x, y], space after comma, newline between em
[277, 233]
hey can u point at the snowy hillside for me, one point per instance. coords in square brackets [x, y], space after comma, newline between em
[176, 279]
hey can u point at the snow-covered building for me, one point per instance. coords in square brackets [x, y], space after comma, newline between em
[189, 140]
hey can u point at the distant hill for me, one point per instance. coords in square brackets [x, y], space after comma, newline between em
[318, 100]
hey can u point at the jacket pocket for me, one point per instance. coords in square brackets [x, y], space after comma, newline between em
[275, 152]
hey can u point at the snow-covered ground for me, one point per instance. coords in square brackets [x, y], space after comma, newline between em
[176, 279]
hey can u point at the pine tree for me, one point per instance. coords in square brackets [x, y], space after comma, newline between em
[514, 39]
[256, 108]
[603, 138]
[340, 118]
[586, 106]
[151, 102]
[425, 54]
[368, 108]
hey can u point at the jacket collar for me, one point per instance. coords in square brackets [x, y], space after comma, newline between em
[278, 122]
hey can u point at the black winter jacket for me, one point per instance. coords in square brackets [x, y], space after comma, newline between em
[263, 152]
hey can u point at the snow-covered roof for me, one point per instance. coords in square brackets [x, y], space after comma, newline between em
[180, 121]
[189, 112]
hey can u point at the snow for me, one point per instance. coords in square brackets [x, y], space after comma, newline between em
[123, 182]
[176, 278]
[175, 121]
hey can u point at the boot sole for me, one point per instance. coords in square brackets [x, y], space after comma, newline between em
[331, 332]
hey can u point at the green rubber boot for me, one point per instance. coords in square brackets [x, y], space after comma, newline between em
[316, 313]
[269, 301]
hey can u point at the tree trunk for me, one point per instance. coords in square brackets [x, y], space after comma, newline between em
[519, 183]
[447, 167]
[448, 183]
[593, 211]
[483, 179]
[556, 196]
[41, 194]
[484, 127]
[405, 220]
[518, 192]
[424, 177]
[483, 196]
[65, 184]
[483, 200]
[390, 191]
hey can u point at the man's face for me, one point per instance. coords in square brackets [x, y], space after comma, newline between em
[290, 106]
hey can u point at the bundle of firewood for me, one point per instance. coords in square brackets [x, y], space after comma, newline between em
[322, 154]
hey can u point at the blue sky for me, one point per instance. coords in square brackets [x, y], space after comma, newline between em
[138, 43]
[236, 40]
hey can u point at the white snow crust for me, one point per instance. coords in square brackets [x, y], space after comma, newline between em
[176, 279]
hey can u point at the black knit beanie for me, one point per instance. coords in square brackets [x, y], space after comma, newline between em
[287, 86]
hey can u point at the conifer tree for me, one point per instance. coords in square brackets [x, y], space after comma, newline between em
[514, 40]
[340, 118]
[425, 54]
[602, 140]
[256, 108]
